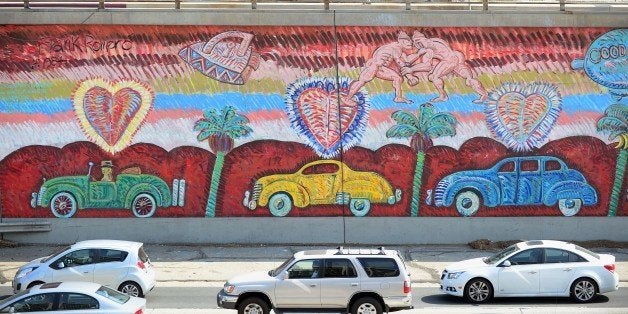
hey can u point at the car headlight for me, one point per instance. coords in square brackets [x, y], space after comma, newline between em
[24, 272]
[229, 288]
[454, 275]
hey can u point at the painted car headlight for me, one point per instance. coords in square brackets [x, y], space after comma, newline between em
[24, 272]
[454, 275]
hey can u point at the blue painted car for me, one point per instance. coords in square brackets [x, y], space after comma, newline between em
[533, 180]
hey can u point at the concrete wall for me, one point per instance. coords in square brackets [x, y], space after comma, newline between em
[329, 230]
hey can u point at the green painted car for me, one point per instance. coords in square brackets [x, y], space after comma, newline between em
[141, 193]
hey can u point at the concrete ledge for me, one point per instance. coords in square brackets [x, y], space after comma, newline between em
[326, 230]
[316, 18]
[30, 226]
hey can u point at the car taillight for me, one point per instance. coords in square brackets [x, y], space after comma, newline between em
[407, 287]
[140, 264]
[140, 311]
[610, 267]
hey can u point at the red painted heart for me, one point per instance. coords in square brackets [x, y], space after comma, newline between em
[111, 113]
[325, 115]
[521, 114]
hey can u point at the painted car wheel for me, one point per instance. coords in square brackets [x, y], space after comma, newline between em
[131, 288]
[570, 206]
[144, 206]
[467, 203]
[280, 204]
[360, 206]
[63, 205]
[583, 290]
[478, 291]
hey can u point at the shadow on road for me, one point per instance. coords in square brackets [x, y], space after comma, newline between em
[445, 299]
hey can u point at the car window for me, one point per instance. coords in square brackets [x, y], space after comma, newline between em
[321, 169]
[77, 301]
[527, 257]
[339, 268]
[379, 267]
[35, 303]
[552, 165]
[308, 268]
[562, 256]
[107, 256]
[77, 258]
[507, 167]
[529, 165]
[56, 252]
[113, 295]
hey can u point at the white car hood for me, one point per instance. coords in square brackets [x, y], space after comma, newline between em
[32, 264]
[251, 278]
[466, 264]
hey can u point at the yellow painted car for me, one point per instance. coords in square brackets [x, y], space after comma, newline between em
[320, 183]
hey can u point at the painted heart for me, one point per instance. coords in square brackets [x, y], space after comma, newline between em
[110, 113]
[327, 122]
[523, 116]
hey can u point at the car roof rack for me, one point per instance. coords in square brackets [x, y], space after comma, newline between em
[360, 251]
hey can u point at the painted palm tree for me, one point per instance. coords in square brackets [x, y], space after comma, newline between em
[421, 129]
[615, 122]
[220, 129]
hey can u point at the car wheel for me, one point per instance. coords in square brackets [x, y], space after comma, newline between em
[280, 204]
[366, 306]
[570, 206]
[131, 288]
[144, 205]
[478, 291]
[360, 206]
[583, 290]
[63, 205]
[253, 306]
[467, 203]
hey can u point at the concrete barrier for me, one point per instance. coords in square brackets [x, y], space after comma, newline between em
[327, 230]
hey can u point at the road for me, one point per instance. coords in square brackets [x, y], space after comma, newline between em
[203, 297]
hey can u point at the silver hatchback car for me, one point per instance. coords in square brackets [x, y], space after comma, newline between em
[353, 280]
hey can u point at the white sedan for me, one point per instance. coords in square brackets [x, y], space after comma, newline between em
[533, 268]
[72, 298]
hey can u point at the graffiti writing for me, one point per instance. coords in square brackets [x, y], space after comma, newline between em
[82, 44]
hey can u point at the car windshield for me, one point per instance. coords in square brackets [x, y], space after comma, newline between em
[16, 296]
[113, 295]
[501, 254]
[55, 253]
[281, 267]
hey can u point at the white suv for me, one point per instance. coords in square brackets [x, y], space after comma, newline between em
[121, 265]
[355, 280]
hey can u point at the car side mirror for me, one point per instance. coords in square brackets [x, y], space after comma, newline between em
[11, 310]
[60, 265]
[284, 275]
[506, 263]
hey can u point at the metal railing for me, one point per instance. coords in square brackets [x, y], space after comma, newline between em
[361, 5]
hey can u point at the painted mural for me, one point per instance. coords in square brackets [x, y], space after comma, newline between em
[226, 121]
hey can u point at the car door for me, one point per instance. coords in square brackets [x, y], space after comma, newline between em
[523, 276]
[320, 181]
[101, 194]
[301, 287]
[559, 270]
[508, 177]
[43, 302]
[110, 268]
[530, 182]
[76, 266]
[338, 283]
[78, 302]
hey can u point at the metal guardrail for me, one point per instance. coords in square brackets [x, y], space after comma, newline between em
[361, 5]
[13, 227]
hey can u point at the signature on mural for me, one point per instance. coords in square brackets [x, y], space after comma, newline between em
[320, 183]
[531, 180]
[141, 193]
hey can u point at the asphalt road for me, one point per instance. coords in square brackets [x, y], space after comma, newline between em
[191, 297]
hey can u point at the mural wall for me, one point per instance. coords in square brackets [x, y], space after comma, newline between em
[208, 121]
